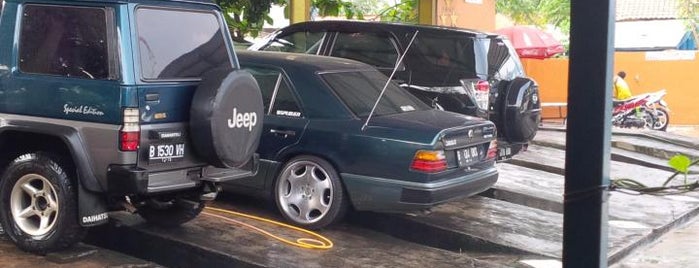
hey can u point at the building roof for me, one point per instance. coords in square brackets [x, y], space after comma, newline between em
[649, 35]
[630, 10]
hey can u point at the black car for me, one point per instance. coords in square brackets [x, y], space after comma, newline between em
[317, 158]
[457, 70]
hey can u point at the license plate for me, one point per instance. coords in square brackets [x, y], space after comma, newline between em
[164, 153]
[505, 152]
[468, 156]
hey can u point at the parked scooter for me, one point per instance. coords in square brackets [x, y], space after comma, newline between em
[643, 111]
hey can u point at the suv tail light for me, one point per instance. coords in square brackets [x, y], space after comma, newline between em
[479, 91]
[429, 161]
[492, 150]
[130, 133]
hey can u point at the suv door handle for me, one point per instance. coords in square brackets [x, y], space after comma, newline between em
[284, 133]
[153, 98]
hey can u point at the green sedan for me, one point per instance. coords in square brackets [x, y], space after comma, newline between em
[318, 159]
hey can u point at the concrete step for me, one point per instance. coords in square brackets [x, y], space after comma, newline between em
[211, 242]
[634, 220]
[80, 256]
[631, 148]
[477, 223]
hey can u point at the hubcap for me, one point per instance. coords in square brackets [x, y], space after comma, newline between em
[305, 192]
[34, 204]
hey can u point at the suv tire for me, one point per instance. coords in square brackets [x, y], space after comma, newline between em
[222, 99]
[521, 111]
[172, 213]
[38, 202]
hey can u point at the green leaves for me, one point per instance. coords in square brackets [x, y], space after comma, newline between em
[335, 7]
[246, 17]
[537, 12]
[680, 163]
[404, 11]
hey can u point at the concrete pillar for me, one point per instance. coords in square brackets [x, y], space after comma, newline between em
[426, 12]
[585, 205]
[299, 11]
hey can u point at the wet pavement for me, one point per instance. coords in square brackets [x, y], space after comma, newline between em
[80, 256]
[210, 242]
[517, 223]
[676, 249]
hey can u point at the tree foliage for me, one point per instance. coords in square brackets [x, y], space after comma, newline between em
[400, 11]
[246, 16]
[336, 7]
[537, 12]
[689, 11]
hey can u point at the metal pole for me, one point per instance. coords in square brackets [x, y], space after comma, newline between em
[588, 134]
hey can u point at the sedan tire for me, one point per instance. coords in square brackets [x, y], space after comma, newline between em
[308, 193]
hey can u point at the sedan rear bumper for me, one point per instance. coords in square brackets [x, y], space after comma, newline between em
[388, 195]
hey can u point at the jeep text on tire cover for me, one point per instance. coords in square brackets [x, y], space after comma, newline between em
[98, 106]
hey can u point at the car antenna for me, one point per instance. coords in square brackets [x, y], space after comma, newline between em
[400, 60]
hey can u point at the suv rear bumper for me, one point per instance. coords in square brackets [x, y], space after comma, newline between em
[131, 179]
[507, 150]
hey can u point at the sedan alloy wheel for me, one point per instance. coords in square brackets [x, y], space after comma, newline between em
[308, 192]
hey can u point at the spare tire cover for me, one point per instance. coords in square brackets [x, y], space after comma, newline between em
[521, 110]
[226, 118]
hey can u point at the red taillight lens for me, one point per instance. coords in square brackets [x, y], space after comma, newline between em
[492, 150]
[483, 85]
[129, 140]
[130, 133]
[429, 161]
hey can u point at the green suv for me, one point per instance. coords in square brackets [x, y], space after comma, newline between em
[106, 105]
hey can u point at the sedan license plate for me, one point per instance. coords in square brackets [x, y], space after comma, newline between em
[164, 153]
[468, 156]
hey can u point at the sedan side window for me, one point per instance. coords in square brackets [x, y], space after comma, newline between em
[276, 93]
[298, 42]
[376, 50]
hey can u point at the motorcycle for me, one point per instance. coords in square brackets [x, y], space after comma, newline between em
[643, 111]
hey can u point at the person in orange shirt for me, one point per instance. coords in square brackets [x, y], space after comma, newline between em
[621, 88]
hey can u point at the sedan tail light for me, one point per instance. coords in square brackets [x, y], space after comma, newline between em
[429, 161]
[492, 150]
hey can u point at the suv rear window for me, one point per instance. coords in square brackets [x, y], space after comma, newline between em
[360, 89]
[376, 50]
[442, 60]
[165, 55]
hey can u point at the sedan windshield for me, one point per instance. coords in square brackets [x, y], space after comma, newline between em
[360, 89]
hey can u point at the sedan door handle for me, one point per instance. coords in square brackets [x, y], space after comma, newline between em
[283, 132]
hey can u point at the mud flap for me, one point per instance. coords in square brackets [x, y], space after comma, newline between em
[92, 208]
